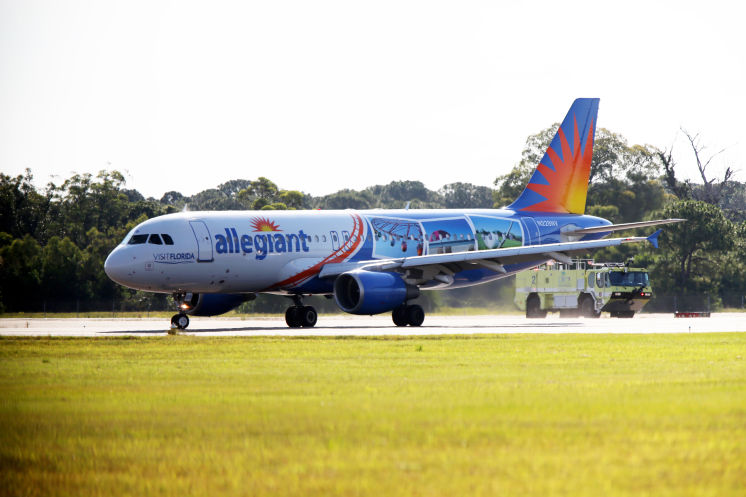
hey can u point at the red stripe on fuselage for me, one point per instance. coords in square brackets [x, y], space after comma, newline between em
[345, 251]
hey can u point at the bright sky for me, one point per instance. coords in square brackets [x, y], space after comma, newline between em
[320, 96]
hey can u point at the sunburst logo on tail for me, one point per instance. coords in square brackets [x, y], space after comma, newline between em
[560, 181]
[566, 175]
[264, 224]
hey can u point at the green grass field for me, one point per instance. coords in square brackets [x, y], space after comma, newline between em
[528, 415]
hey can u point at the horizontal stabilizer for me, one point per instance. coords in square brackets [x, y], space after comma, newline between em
[624, 226]
[653, 239]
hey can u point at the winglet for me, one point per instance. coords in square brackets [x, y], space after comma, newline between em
[653, 239]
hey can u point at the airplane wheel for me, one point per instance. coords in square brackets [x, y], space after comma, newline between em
[293, 317]
[308, 316]
[415, 315]
[180, 321]
[399, 316]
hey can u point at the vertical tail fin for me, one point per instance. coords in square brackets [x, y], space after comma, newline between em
[560, 181]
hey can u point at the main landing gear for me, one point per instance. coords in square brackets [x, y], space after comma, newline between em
[411, 315]
[180, 321]
[299, 315]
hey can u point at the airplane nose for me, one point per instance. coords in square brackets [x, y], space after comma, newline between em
[116, 266]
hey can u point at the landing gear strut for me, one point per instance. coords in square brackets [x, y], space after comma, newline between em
[299, 315]
[411, 315]
[180, 321]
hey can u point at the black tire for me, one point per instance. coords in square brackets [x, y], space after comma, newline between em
[399, 315]
[533, 307]
[293, 317]
[180, 321]
[308, 316]
[415, 315]
[627, 314]
[587, 308]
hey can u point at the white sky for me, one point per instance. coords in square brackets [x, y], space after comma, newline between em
[320, 96]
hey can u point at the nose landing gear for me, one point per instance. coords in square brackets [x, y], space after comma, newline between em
[180, 321]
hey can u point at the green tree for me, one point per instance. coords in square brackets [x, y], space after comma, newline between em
[173, 198]
[20, 273]
[293, 199]
[23, 210]
[466, 195]
[398, 193]
[689, 251]
[347, 199]
[258, 193]
[232, 187]
[62, 264]
[213, 200]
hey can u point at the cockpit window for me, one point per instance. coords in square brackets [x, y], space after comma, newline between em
[167, 239]
[155, 239]
[138, 239]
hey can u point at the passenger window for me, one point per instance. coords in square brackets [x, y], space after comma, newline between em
[138, 239]
[167, 239]
[155, 239]
[591, 280]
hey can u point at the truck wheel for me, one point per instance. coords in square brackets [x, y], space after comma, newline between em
[533, 307]
[586, 308]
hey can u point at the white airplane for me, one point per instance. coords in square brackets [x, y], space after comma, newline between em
[371, 261]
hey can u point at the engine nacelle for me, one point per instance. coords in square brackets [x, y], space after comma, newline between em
[369, 292]
[212, 304]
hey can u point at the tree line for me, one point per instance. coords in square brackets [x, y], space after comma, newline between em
[54, 240]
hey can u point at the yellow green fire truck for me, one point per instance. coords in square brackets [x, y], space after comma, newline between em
[582, 288]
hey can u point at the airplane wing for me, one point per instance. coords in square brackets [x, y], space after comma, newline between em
[623, 226]
[440, 267]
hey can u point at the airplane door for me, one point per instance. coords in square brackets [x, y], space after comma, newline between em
[204, 241]
[532, 230]
[335, 240]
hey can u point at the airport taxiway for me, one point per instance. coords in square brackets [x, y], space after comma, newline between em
[348, 325]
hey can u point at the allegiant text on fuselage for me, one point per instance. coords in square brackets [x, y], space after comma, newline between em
[260, 245]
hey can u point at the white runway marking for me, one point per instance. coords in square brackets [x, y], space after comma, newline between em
[348, 325]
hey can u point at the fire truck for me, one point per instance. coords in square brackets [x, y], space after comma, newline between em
[583, 288]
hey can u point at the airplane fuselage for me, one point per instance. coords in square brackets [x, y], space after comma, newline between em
[284, 251]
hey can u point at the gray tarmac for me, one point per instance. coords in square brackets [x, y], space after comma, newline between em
[348, 325]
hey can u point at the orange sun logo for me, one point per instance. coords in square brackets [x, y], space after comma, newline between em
[264, 224]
